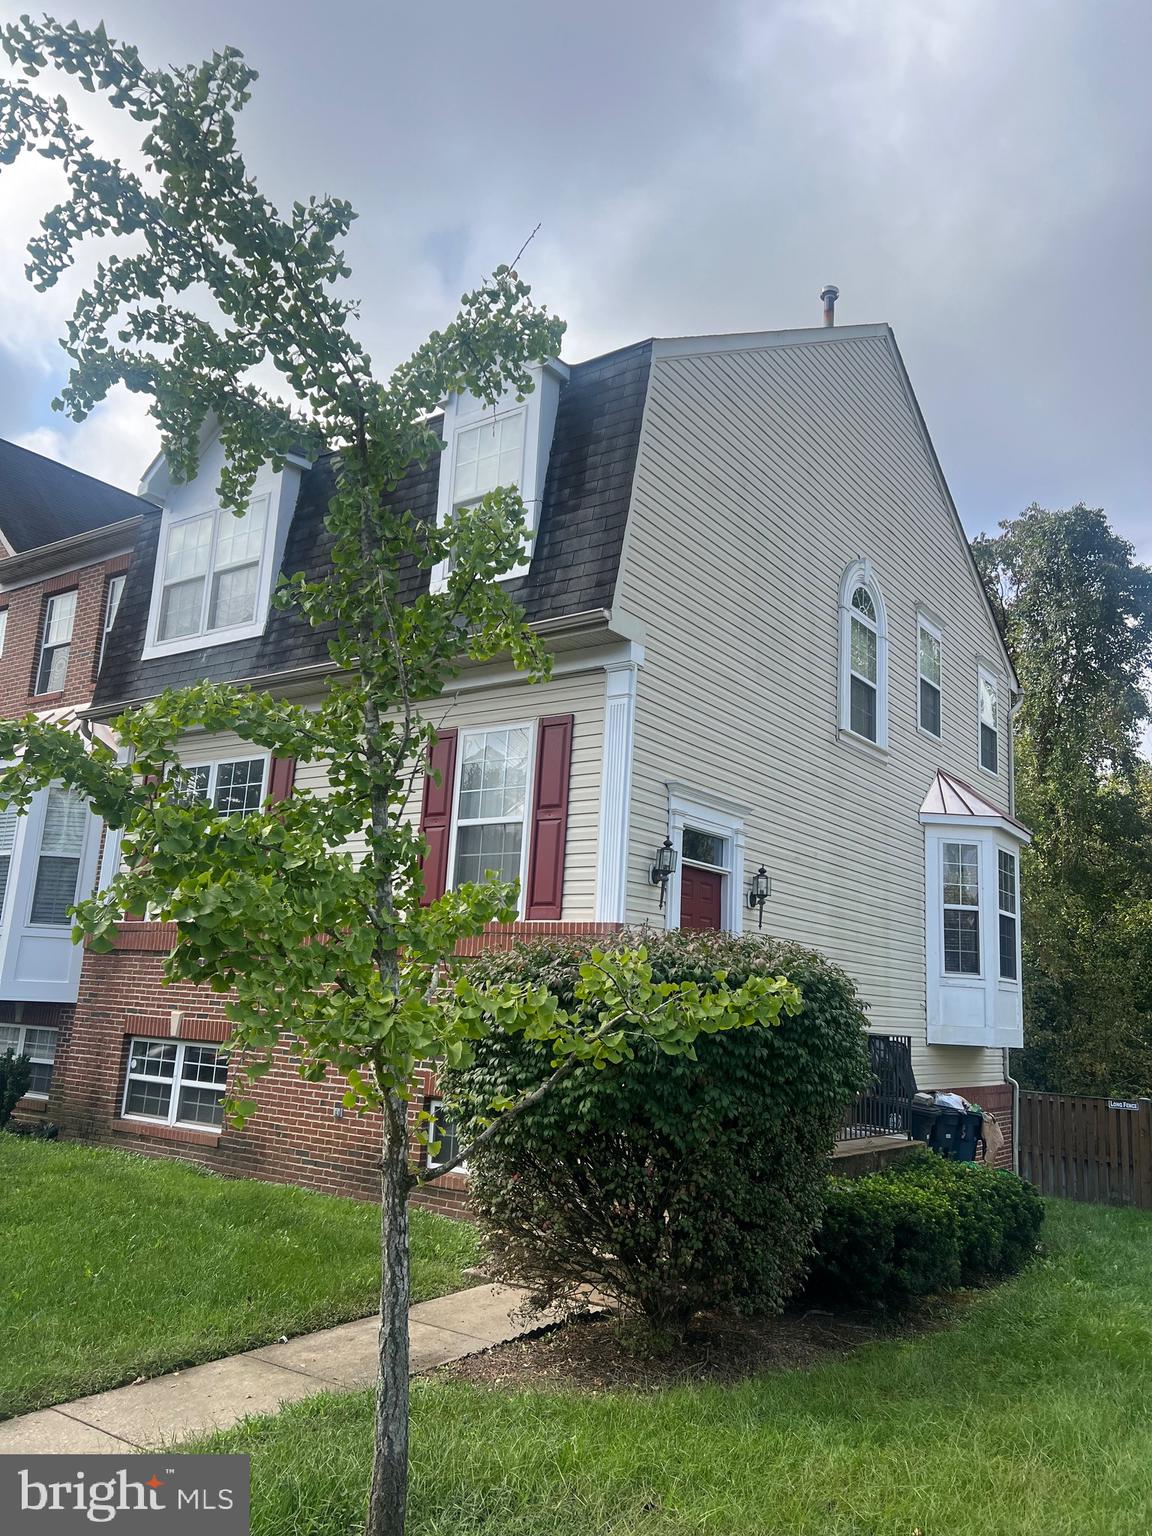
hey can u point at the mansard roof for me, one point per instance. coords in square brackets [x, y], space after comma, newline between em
[575, 556]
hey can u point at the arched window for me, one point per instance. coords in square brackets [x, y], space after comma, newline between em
[863, 656]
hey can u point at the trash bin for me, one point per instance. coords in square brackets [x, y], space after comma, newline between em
[951, 1132]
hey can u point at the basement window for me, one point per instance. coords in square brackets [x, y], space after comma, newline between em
[39, 1045]
[175, 1082]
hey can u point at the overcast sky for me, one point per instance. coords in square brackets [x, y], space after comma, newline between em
[976, 172]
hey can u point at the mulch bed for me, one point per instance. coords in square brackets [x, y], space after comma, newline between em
[598, 1354]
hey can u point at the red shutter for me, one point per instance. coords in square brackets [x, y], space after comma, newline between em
[436, 814]
[549, 818]
[281, 778]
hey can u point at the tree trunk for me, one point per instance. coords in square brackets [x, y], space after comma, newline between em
[389, 1495]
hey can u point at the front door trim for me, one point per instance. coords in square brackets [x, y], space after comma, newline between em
[696, 808]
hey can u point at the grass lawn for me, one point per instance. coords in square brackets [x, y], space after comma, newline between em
[114, 1266]
[1029, 1417]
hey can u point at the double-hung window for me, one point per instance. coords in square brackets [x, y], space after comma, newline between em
[56, 645]
[961, 871]
[39, 1045]
[989, 723]
[488, 455]
[61, 849]
[175, 1082]
[928, 650]
[210, 572]
[233, 787]
[491, 804]
[111, 609]
[1009, 915]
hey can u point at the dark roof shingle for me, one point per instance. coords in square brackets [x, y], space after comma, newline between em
[42, 502]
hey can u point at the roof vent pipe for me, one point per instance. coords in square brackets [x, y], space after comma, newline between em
[830, 293]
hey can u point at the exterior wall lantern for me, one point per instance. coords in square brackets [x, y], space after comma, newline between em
[758, 893]
[664, 867]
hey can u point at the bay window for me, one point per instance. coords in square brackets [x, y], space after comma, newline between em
[961, 895]
[9, 820]
[1008, 914]
[492, 804]
[175, 1082]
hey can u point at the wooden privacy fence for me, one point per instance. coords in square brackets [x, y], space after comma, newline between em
[1088, 1149]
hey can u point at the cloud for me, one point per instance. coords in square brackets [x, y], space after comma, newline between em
[116, 443]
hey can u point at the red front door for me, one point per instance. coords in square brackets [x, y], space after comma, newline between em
[700, 892]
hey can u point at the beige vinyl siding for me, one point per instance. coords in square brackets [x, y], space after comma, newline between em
[579, 693]
[763, 474]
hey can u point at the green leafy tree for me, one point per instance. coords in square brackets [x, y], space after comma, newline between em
[1077, 610]
[209, 288]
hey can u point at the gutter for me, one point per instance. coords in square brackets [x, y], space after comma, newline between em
[576, 623]
[30, 563]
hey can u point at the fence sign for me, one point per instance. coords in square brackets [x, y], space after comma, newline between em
[1131, 1104]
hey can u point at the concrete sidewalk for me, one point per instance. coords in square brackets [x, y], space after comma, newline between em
[170, 1409]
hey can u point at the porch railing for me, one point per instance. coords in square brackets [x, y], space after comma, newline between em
[882, 1108]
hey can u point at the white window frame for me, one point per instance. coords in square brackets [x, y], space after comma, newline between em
[20, 1049]
[39, 854]
[529, 794]
[433, 1107]
[3, 628]
[689, 807]
[214, 764]
[959, 906]
[59, 645]
[861, 574]
[203, 637]
[1001, 912]
[113, 597]
[987, 678]
[925, 625]
[174, 1083]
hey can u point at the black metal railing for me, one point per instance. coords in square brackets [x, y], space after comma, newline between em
[882, 1108]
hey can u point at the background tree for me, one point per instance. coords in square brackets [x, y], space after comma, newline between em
[1077, 610]
[212, 291]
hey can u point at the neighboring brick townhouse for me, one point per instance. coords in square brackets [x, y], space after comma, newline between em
[65, 547]
[778, 690]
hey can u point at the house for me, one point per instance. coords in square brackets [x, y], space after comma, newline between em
[773, 658]
[65, 547]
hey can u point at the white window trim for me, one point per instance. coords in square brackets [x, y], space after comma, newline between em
[214, 764]
[529, 793]
[539, 407]
[958, 906]
[114, 583]
[861, 574]
[3, 628]
[1012, 853]
[923, 622]
[49, 608]
[174, 1083]
[985, 675]
[695, 808]
[22, 1031]
[435, 1103]
[204, 638]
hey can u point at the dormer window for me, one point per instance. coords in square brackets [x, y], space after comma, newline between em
[506, 445]
[210, 572]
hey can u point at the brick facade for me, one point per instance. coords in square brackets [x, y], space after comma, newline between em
[301, 1133]
[26, 607]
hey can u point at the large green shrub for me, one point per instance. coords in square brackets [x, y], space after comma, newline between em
[672, 1184]
[15, 1076]
[925, 1225]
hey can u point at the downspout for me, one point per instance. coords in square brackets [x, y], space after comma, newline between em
[1008, 1078]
